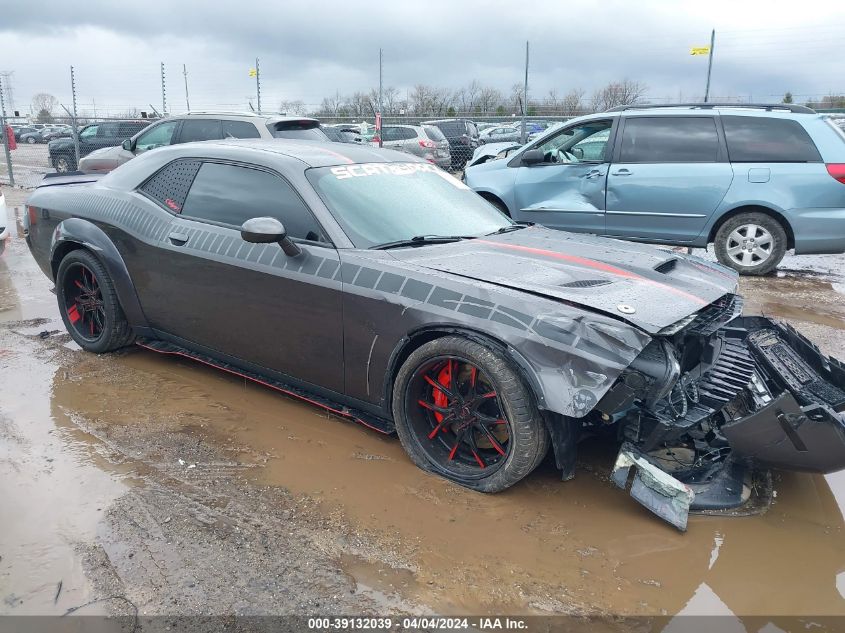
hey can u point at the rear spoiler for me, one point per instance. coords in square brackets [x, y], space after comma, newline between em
[70, 178]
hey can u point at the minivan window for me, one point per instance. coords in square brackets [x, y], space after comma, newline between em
[157, 136]
[229, 194]
[433, 133]
[240, 129]
[768, 140]
[451, 128]
[669, 140]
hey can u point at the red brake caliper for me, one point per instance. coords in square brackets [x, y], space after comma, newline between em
[440, 399]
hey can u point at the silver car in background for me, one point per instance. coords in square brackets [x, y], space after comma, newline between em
[425, 141]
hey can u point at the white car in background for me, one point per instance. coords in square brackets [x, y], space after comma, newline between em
[4, 223]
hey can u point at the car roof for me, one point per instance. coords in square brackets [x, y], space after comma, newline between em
[229, 115]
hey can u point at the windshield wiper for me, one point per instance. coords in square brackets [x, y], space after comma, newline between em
[509, 228]
[421, 240]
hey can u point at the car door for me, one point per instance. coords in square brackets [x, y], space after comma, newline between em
[566, 190]
[238, 300]
[669, 176]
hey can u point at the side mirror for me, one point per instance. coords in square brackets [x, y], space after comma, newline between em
[533, 157]
[128, 145]
[266, 231]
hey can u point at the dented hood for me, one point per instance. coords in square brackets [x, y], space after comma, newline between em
[648, 287]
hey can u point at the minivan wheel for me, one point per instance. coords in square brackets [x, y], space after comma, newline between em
[751, 243]
[462, 412]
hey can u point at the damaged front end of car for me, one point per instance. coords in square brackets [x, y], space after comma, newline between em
[713, 399]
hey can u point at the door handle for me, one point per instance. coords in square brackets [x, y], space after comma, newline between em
[621, 172]
[178, 239]
[593, 174]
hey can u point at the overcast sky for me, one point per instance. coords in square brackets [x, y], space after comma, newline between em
[312, 49]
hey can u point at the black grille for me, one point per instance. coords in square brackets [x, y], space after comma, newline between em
[728, 376]
[716, 315]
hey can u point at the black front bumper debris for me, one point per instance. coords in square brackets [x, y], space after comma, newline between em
[784, 435]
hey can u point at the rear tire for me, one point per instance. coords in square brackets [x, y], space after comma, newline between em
[89, 305]
[516, 440]
[751, 243]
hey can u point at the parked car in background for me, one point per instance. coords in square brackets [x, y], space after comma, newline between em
[425, 141]
[499, 134]
[202, 126]
[91, 137]
[20, 130]
[35, 136]
[462, 136]
[492, 151]
[343, 133]
[64, 131]
[754, 180]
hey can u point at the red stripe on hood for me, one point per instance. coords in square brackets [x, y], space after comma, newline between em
[591, 263]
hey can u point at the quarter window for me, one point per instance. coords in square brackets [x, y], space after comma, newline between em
[240, 129]
[768, 140]
[670, 140]
[169, 185]
[231, 195]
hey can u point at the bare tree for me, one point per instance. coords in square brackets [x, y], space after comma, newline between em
[617, 93]
[572, 103]
[43, 105]
[488, 100]
[361, 104]
[293, 108]
[427, 100]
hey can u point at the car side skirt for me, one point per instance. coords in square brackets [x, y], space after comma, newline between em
[370, 421]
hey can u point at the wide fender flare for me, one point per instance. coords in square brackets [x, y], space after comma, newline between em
[550, 388]
[76, 232]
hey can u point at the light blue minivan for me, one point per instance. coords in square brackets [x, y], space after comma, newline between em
[754, 180]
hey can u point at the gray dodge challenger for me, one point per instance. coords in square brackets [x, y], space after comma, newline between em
[379, 287]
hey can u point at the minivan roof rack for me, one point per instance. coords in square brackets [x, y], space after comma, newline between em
[791, 107]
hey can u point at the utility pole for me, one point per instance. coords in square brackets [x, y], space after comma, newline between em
[710, 64]
[185, 74]
[5, 133]
[380, 92]
[523, 135]
[73, 120]
[258, 85]
[163, 92]
[9, 90]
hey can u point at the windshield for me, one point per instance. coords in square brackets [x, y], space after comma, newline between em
[377, 203]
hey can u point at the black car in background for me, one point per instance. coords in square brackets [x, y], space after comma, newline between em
[463, 138]
[91, 137]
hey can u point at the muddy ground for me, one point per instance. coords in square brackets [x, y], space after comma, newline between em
[138, 483]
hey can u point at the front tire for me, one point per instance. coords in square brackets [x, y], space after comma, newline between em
[463, 412]
[88, 304]
[751, 243]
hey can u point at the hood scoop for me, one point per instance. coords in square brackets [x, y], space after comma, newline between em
[667, 266]
[585, 283]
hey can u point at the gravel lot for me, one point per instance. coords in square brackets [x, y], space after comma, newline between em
[139, 483]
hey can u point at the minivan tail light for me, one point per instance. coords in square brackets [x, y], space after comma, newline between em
[837, 170]
[428, 144]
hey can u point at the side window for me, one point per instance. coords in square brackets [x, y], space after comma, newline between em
[586, 142]
[768, 140]
[157, 136]
[169, 185]
[200, 130]
[89, 132]
[406, 133]
[390, 134]
[240, 129]
[228, 194]
[669, 140]
[108, 130]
